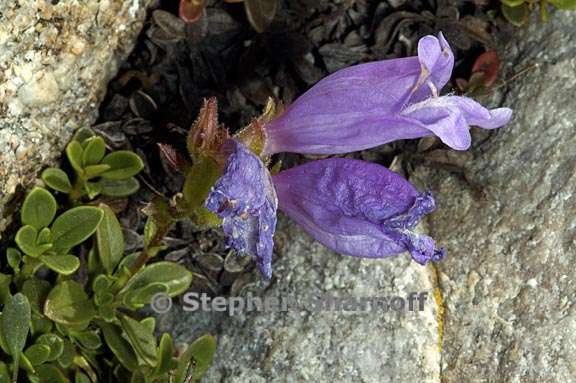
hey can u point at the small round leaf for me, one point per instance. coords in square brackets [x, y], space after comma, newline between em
[39, 208]
[62, 264]
[37, 354]
[68, 304]
[119, 188]
[57, 179]
[123, 164]
[94, 150]
[75, 226]
[54, 342]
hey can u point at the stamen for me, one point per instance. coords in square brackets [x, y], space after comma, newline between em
[433, 88]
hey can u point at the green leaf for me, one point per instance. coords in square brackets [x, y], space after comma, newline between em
[4, 373]
[49, 373]
[563, 4]
[68, 304]
[119, 346]
[25, 363]
[101, 283]
[57, 179]
[123, 164]
[513, 3]
[94, 150]
[74, 152]
[165, 354]
[36, 290]
[75, 226]
[516, 16]
[26, 240]
[175, 277]
[107, 312]
[127, 262]
[39, 208]
[67, 356]
[15, 323]
[138, 377]
[14, 258]
[196, 360]
[140, 297]
[88, 339]
[44, 237]
[95, 170]
[141, 338]
[199, 181]
[149, 323]
[119, 188]
[110, 240]
[62, 264]
[5, 294]
[40, 324]
[37, 354]
[85, 362]
[54, 342]
[83, 134]
[93, 189]
[81, 378]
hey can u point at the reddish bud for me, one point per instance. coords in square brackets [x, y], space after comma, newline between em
[191, 10]
[206, 135]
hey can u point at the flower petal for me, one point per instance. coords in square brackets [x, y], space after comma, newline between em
[245, 199]
[355, 207]
[443, 119]
[450, 117]
[477, 115]
[437, 61]
[339, 106]
[356, 108]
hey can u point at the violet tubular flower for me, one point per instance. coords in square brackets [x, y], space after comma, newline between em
[357, 208]
[375, 103]
[245, 199]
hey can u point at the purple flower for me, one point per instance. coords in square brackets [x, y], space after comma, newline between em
[357, 208]
[375, 103]
[245, 199]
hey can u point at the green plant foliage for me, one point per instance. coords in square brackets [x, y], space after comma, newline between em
[196, 359]
[75, 226]
[110, 240]
[15, 323]
[517, 12]
[564, 4]
[38, 209]
[63, 320]
[57, 179]
[123, 165]
[95, 171]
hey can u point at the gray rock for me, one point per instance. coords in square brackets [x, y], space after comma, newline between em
[55, 63]
[508, 281]
[303, 344]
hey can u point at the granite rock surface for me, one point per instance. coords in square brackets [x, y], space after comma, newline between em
[56, 58]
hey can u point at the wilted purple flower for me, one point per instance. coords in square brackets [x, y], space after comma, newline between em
[357, 208]
[351, 206]
[372, 104]
[245, 199]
